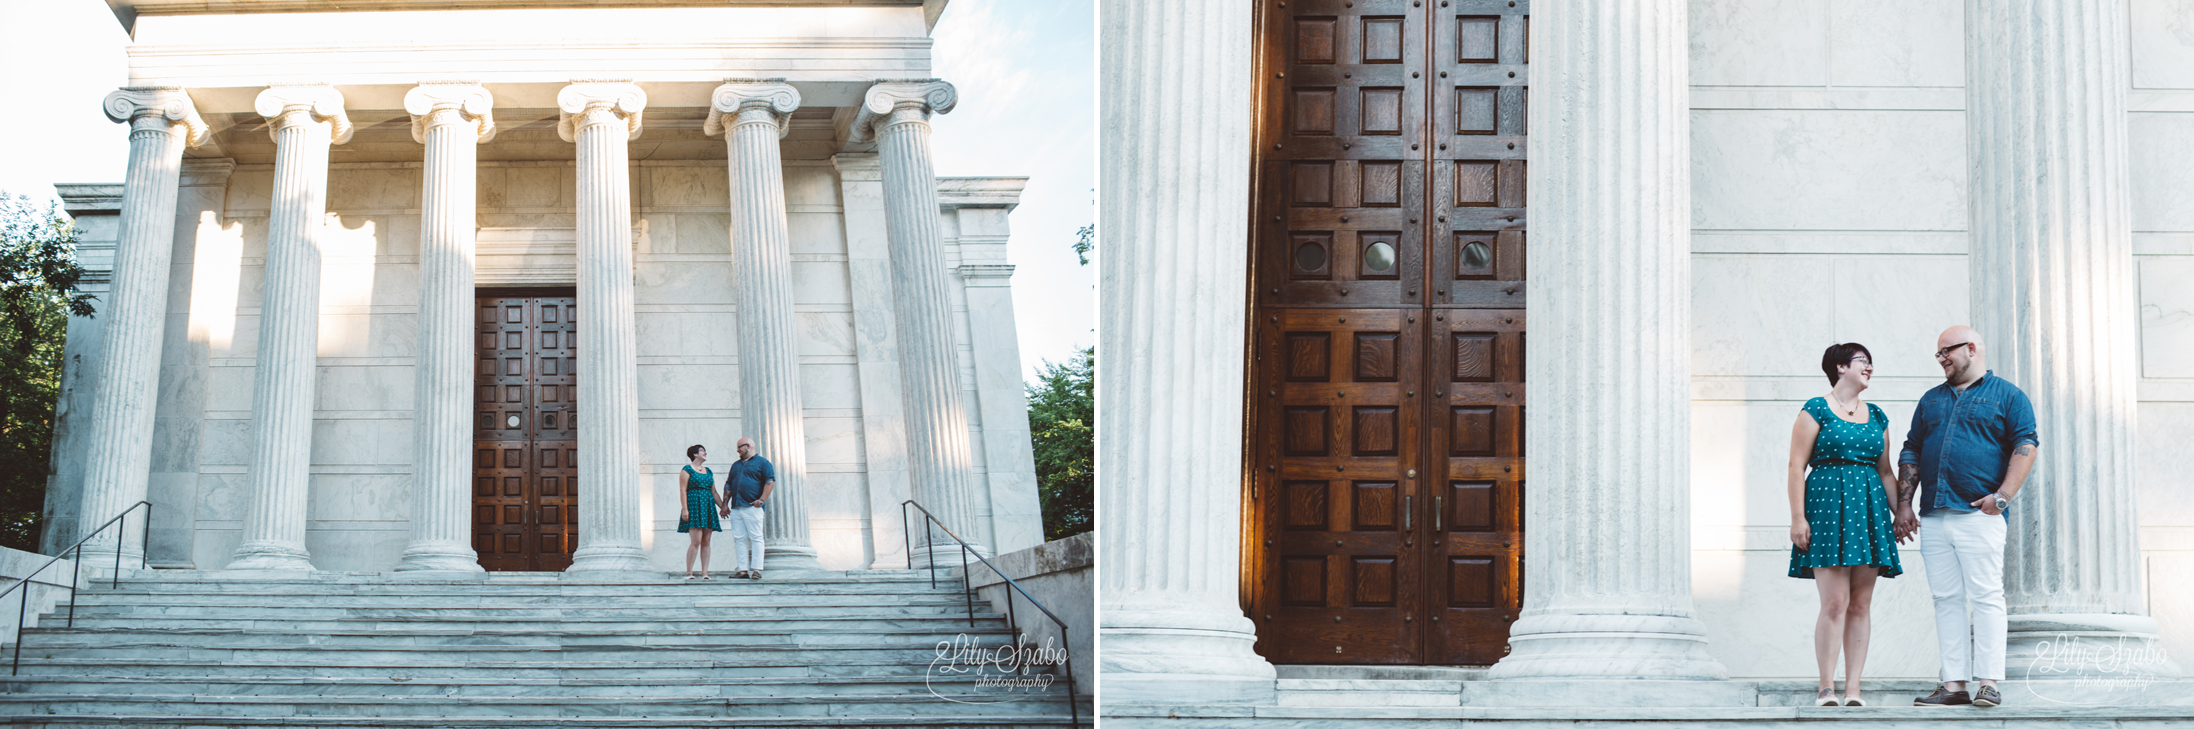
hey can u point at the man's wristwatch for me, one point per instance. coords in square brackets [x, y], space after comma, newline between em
[2001, 502]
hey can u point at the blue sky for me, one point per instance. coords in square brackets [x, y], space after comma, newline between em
[1026, 72]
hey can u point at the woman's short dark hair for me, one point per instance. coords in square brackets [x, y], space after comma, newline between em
[696, 448]
[1839, 355]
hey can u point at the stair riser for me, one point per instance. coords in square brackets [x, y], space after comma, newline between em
[923, 706]
[911, 687]
[168, 612]
[851, 667]
[933, 625]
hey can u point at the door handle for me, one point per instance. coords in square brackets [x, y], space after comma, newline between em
[1407, 509]
[1436, 514]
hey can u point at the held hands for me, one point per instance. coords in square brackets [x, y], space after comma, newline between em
[1801, 534]
[1907, 524]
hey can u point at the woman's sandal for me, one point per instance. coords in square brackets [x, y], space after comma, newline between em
[1826, 697]
[689, 575]
[1854, 701]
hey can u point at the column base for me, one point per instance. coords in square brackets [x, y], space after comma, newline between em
[1182, 657]
[2084, 647]
[789, 557]
[610, 559]
[947, 555]
[1608, 647]
[271, 556]
[105, 559]
[439, 557]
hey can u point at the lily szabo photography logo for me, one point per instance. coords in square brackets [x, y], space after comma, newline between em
[2072, 670]
[965, 671]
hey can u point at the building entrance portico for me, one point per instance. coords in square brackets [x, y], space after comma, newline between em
[753, 240]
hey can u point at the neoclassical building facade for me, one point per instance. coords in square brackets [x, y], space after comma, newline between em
[1332, 303]
[399, 287]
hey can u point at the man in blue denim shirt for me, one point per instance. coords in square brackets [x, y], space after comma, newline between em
[1972, 443]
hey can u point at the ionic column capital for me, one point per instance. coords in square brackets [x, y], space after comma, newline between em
[772, 100]
[469, 103]
[285, 105]
[164, 107]
[587, 103]
[919, 97]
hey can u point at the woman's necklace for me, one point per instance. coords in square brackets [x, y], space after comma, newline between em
[1851, 410]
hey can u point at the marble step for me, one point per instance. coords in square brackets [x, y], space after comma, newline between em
[339, 655]
[740, 665]
[523, 708]
[1166, 716]
[506, 614]
[497, 685]
[112, 721]
[1368, 692]
[479, 602]
[871, 633]
[628, 625]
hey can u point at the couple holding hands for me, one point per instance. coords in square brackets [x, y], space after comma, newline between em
[1971, 443]
[746, 488]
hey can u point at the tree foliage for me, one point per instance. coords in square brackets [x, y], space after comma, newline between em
[1062, 419]
[38, 292]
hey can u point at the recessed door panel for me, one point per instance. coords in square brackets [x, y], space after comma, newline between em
[525, 433]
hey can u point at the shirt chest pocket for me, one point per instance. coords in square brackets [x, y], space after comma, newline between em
[1984, 416]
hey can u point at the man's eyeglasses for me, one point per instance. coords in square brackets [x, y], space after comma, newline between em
[1944, 353]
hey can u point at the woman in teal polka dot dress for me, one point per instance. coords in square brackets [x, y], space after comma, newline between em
[1842, 532]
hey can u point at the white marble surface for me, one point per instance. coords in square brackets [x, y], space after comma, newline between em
[1759, 42]
[1894, 42]
[1846, 170]
[2167, 316]
[2162, 43]
[2159, 186]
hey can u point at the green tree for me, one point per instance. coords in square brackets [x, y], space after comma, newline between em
[38, 292]
[1062, 419]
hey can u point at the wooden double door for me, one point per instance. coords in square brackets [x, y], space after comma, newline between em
[525, 513]
[1386, 458]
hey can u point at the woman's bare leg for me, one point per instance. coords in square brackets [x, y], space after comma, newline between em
[703, 542]
[693, 542]
[1858, 626]
[1834, 584]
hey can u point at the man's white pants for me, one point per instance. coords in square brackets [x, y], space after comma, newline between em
[1965, 567]
[746, 539]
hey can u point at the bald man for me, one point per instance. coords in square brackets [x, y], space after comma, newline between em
[746, 487]
[1971, 444]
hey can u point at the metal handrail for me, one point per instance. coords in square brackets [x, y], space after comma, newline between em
[1066, 647]
[22, 612]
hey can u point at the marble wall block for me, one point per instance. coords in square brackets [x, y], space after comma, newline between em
[2163, 44]
[1758, 43]
[1760, 315]
[840, 548]
[2167, 324]
[342, 499]
[684, 185]
[1896, 42]
[174, 496]
[2159, 175]
[670, 390]
[821, 283]
[705, 331]
[1843, 170]
[377, 388]
[837, 497]
[818, 233]
[833, 441]
[227, 440]
[697, 233]
[1895, 305]
[664, 437]
[360, 442]
[810, 182]
[822, 387]
[357, 549]
[681, 282]
[377, 187]
[527, 185]
[825, 334]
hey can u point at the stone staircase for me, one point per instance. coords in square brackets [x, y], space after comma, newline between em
[540, 649]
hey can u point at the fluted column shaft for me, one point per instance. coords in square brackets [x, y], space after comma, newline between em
[1174, 270]
[304, 121]
[939, 454]
[1608, 592]
[451, 120]
[2053, 298]
[752, 118]
[601, 118]
[162, 123]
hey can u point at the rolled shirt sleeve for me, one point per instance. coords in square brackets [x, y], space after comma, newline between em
[2019, 421]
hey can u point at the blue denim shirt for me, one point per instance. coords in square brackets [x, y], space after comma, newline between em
[743, 480]
[1962, 441]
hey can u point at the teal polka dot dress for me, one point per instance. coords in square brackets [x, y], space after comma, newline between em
[1844, 502]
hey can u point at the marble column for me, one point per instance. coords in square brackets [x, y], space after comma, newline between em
[451, 119]
[1607, 535]
[876, 355]
[2051, 265]
[753, 116]
[896, 114]
[162, 122]
[304, 121]
[601, 116]
[1173, 273]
